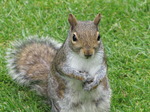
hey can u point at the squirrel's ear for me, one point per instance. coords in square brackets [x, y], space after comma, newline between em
[97, 19]
[72, 20]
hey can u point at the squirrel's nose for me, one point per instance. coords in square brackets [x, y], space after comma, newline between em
[87, 55]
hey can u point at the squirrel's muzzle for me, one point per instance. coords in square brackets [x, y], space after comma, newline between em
[88, 53]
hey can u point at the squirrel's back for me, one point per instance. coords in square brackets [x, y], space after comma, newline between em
[28, 61]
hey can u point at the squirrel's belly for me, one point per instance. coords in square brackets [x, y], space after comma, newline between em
[78, 100]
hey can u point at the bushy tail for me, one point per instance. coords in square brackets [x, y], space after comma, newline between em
[29, 60]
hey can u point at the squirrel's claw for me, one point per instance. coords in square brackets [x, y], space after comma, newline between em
[90, 86]
[88, 79]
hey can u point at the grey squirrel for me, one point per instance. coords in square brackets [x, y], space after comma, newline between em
[72, 75]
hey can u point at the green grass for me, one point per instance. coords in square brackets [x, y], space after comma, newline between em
[125, 30]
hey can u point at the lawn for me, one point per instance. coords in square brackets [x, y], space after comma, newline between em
[125, 31]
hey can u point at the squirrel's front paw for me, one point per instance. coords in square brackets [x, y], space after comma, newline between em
[87, 77]
[90, 86]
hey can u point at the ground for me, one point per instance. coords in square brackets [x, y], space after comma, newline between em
[125, 31]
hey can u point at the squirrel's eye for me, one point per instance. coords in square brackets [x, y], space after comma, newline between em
[98, 38]
[74, 37]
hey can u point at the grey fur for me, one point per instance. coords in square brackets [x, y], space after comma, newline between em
[19, 73]
[72, 82]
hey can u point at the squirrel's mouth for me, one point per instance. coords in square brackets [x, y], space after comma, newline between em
[87, 56]
[87, 53]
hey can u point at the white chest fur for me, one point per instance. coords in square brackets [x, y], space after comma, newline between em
[90, 65]
[76, 93]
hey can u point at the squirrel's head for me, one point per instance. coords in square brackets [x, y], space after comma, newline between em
[84, 37]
